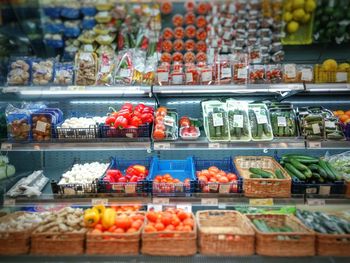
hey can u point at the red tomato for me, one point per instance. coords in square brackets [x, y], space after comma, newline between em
[131, 230]
[187, 228]
[182, 215]
[149, 229]
[188, 222]
[232, 177]
[119, 230]
[166, 219]
[175, 221]
[223, 179]
[112, 228]
[152, 216]
[170, 228]
[123, 221]
[203, 179]
[137, 224]
[159, 226]
[214, 169]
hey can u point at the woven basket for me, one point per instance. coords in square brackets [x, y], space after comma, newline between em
[114, 243]
[262, 187]
[323, 76]
[57, 243]
[170, 243]
[14, 242]
[226, 233]
[300, 243]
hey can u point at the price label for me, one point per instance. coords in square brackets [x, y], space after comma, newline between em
[6, 146]
[325, 190]
[9, 202]
[213, 186]
[214, 145]
[306, 74]
[185, 207]
[242, 73]
[261, 202]
[290, 70]
[163, 76]
[329, 124]
[161, 201]
[124, 73]
[177, 79]
[218, 119]
[316, 128]
[209, 201]
[314, 202]
[206, 76]
[341, 77]
[226, 73]
[315, 145]
[311, 190]
[76, 88]
[10, 90]
[105, 69]
[99, 201]
[161, 146]
[55, 88]
[117, 187]
[189, 77]
[224, 188]
[261, 119]
[40, 126]
[222, 206]
[130, 188]
[238, 121]
[281, 121]
[155, 208]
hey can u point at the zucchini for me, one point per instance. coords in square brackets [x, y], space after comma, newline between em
[279, 174]
[336, 175]
[295, 171]
[298, 165]
[324, 166]
[261, 172]
[255, 175]
[300, 156]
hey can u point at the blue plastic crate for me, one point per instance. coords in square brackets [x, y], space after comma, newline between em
[178, 169]
[227, 166]
[128, 188]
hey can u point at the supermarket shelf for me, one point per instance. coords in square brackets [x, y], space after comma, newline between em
[78, 91]
[227, 89]
[77, 146]
[203, 143]
[159, 259]
[328, 87]
[328, 144]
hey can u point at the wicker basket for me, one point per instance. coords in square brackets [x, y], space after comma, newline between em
[57, 243]
[323, 76]
[262, 187]
[114, 243]
[333, 245]
[14, 242]
[226, 233]
[300, 243]
[170, 243]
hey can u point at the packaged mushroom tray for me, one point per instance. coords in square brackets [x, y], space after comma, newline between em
[80, 178]
[83, 128]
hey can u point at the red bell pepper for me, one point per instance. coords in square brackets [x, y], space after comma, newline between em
[147, 118]
[147, 109]
[130, 170]
[121, 122]
[136, 121]
[139, 107]
[140, 169]
[127, 105]
[126, 113]
[110, 120]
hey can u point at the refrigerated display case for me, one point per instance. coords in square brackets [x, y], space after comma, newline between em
[263, 129]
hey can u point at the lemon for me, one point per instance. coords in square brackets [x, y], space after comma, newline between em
[288, 16]
[344, 66]
[329, 65]
[292, 27]
[298, 14]
[306, 18]
[288, 6]
[298, 4]
[310, 6]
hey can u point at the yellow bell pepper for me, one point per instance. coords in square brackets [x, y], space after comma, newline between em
[100, 209]
[108, 218]
[91, 217]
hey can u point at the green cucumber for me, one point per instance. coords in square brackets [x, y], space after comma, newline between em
[298, 165]
[295, 171]
[336, 175]
[324, 166]
[300, 156]
[255, 176]
[316, 176]
[279, 174]
[261, 172]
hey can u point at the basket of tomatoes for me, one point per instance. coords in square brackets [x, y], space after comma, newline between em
[217, 176]
[172, 232]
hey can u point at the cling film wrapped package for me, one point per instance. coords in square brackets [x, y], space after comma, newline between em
[283, 120]
[311, 121]
[332, 129]
[238, 120]
[124, 69]
[86, 71]
[19, 72]
[105, 69]
[260, 122]
[215, 119]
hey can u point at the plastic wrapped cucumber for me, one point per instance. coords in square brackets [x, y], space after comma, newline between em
[238, 120]
[260, 125]
[283, 122]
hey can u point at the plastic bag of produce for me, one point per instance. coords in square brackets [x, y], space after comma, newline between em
[63, 73]
[260, 122]
[19, 71]
[283, 122]
[86, 71]
[124, 70]
[105, 69]
[215, 119]
[238, 120]
[42, 71]
[341, 163]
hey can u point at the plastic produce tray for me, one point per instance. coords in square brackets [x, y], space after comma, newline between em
[336, 188]
[178, 169]
[227, 166]
[128, 188]
[143, 131]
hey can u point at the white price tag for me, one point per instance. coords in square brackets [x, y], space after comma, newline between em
[124, 73]
[163, 76]
[218, 119]
[9, 202]
[55, 88]
[206, 76]
[189, 77]
[316, 128]
[314, 145]
[161, 146]
[314, 202]
[329, 124]
[214, 145]
[105, 69]
[325, 190]
[341, 77]
[177, 79]
[130, 188]
[222, 206]
[99, 201]
[155, 208]
[6, 146]
[160, 201]
[40, 126]
[290, 71]
[224, 188]
[213, 186]
[261, 119]
[281, 121]
[75, 88]
[306, 74]
[242, 73]
[129, 135]
[185, 207]
[226, 73]
[209, 201]
[10, 90]
[238, 121]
